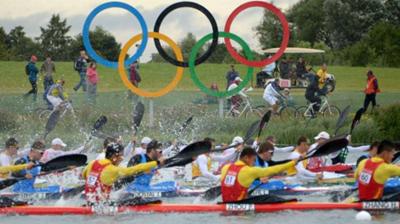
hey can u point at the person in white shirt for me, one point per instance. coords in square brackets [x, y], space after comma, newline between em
[272, 94]
[236, 100]
[230, 155]
[56, 150]
[300, 171]
[201, 167]
[317, 162]
[143, 146]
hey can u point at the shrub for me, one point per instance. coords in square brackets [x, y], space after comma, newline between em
[388, 122]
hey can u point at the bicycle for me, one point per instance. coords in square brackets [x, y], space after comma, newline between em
[286, 107]
[247, 109]
[44, 113]
[326, 109]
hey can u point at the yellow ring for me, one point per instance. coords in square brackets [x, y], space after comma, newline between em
[171, 86]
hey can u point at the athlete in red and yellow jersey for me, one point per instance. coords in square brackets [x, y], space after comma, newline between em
[236, 178]
[372, 174]
[100, 175]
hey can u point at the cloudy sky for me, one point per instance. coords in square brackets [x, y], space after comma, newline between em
[32, 14]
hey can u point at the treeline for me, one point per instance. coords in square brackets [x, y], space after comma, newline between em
[352, 32]
[54, 41]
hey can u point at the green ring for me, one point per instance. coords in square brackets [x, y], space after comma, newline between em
[197, 81]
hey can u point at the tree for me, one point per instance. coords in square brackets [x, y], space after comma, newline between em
[270, 33]
[392, 9]
[54, 39]
[21, 47]
[348, 21]
[102, 41]
[187, 44]
[3, 46]
[308, 17]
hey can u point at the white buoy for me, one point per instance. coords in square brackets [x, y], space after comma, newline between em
[363, 216]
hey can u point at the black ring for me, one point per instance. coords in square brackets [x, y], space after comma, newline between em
[209, 16]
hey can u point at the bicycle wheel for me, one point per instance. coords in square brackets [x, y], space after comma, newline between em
[43, 114]
[258, 113]
[331, 111]
[303, 112]
[287, 112]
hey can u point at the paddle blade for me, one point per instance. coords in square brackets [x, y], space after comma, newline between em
[264, 121]
[99, 123]
[64, 162]
[7, 182]
[330, 146]
[52, 122]
[356, 119]
[138, 115]
[177, 162]
[252, 130]
[342, 118]
[187, 122]
[193, 150]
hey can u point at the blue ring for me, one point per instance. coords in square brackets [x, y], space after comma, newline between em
[88, 46]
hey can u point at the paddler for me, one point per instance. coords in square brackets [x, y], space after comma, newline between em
[153, 153]
[238, 142]
[300, 171]
[56, 150]
[8, 155]
[100, 175]
[371, 174]
[318, 162]
[34, 156]
[236, 178]
[201, 167]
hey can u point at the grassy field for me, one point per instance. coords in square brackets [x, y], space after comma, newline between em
[176, 107]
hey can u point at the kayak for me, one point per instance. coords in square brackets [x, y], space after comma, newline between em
[200, 208]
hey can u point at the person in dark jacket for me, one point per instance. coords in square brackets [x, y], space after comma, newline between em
[231, 76]
[81, 66]
[313, 92]
[301, 68]
[284, 68]
[32, 72]
[47, 69]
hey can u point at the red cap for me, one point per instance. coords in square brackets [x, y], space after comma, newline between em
[33, 58]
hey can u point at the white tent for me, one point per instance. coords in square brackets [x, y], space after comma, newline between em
[295, 50]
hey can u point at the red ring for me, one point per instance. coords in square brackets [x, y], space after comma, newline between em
[286, 33]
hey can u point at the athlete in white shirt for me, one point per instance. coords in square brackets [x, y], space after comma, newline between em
[56, 150]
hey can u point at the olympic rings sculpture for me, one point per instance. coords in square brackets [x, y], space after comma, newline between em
[178, 61]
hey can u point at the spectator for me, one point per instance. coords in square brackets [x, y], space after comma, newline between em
[31, 71]
[80, 66]
[134, 75]
[371, 90]
[93, 78]
[301, 68]
[48, 68]
[284, 69]
[231, 76]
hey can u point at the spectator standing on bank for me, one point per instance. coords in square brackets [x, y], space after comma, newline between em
[47, 69]
[284, 69]
[80, 66]
[371, 90]
[231, 76]
[92, 78]
[32, 71]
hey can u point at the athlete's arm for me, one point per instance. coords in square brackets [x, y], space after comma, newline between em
[12, 168]
[202, 161]
[386, 171]
[112, 173]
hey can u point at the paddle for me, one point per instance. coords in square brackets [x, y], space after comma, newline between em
[184, 125]
[330, 146]
[56, 164]
[342, 119]
[356, 119]
[138, 115]
[52, 122]
[182, 158]
[100, 122]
